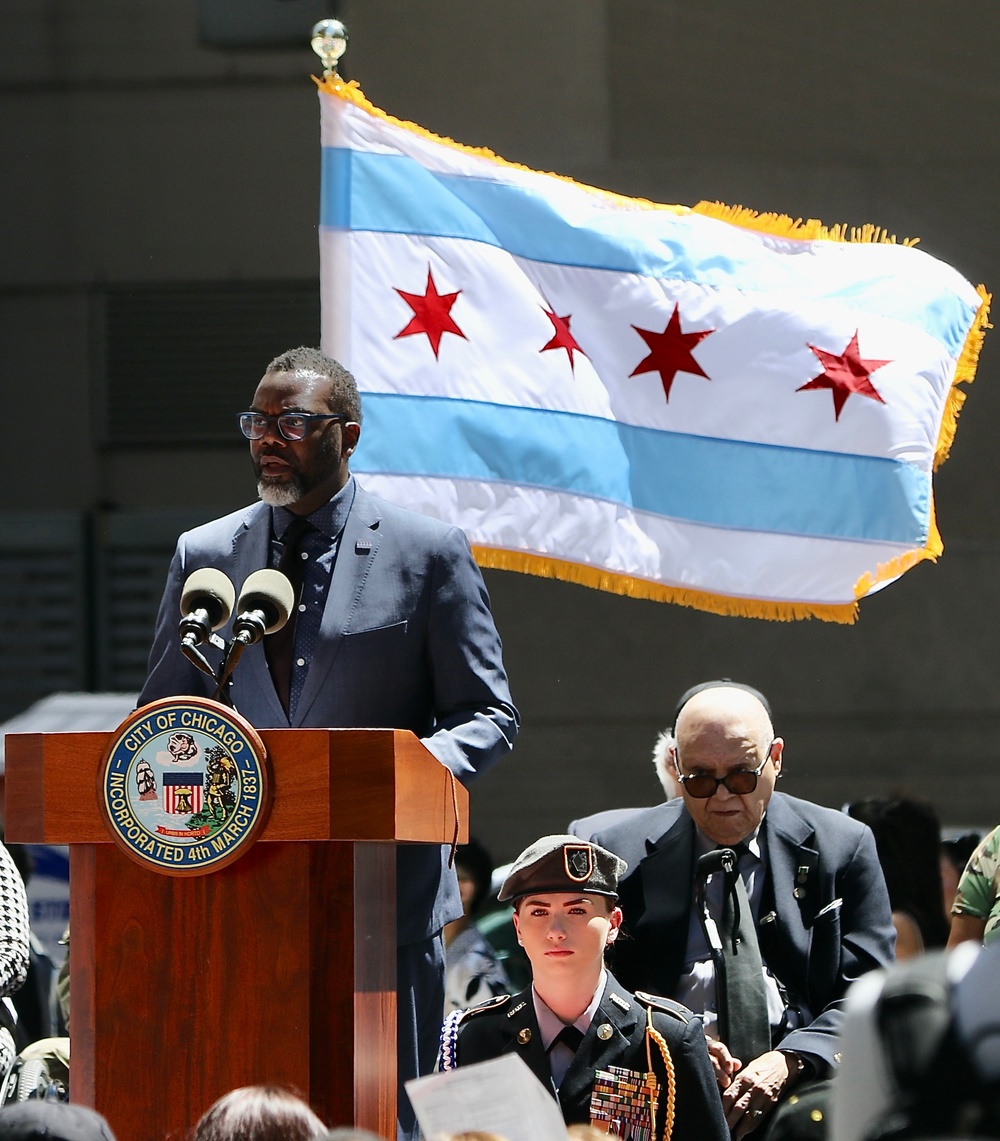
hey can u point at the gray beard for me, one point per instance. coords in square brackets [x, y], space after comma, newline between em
[279, 494]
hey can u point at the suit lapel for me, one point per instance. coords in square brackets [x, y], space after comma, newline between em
[667, 875]
[521, 1036]
[356, 557]
[251, 552]
[792, 859]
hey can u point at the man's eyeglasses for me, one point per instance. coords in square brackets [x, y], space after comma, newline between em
[739, 782]
[291, 425]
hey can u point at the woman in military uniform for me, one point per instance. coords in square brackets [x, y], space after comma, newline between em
[586, 1039]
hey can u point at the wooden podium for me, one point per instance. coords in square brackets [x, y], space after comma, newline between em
[278, 968]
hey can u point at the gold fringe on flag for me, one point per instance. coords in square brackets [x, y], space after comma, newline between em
[965, 373]
[632, 587]
[780, 225]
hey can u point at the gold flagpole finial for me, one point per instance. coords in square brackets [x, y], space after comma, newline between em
[329, 42]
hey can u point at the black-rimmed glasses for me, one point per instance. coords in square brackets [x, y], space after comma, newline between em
[739, 782]
[292, 426]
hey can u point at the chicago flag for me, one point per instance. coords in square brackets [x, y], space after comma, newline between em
[733, 411]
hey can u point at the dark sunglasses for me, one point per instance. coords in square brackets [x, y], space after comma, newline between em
[739, 782]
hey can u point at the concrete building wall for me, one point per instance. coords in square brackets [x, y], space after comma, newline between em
[132, 155]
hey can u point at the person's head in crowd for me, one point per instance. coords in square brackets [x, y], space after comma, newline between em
[258, 1113]
[666, 742]
[565, 897]
[349, 1133]
[474, 867]
[303, 425]
[908, 839]
[956, 851]
[921, 1050]
[727, 759]
[663, 765]
[52, 1121]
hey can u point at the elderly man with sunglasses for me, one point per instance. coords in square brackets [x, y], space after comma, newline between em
[813, 883]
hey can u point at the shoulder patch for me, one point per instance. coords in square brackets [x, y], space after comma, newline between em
[494, 1003]
[665, 1005]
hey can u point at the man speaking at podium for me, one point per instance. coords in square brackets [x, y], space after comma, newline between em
[391, 629]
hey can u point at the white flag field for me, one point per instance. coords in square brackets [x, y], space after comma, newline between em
[733, 411]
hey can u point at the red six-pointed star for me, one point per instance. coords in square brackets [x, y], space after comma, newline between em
[431, 314]
[670, 351]
[562, 338]
[845, 375]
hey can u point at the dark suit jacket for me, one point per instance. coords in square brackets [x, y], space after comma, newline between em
[493, 1030]
[587, 827]
[407, 642]
[817, 943]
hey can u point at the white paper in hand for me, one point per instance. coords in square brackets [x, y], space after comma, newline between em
[499, 1096]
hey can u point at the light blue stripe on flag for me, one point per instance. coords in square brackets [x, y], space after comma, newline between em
[389, 193]
[721, 483]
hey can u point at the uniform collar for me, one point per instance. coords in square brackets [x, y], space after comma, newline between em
[549, 1023]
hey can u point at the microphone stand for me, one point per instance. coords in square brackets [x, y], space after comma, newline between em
[195, 631]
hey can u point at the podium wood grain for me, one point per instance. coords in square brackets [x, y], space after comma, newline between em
[278, 968]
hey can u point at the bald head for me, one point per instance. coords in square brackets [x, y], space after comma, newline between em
[720, 731]
[723, 713]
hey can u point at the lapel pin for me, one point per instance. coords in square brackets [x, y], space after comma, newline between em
[524, 1036]
[604, 1031]
[799, 892]
[362, 547]
[803, 873]
[520, 1006]
[619, 1001]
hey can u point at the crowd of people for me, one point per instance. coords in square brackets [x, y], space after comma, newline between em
[696, 964]
[682, 970]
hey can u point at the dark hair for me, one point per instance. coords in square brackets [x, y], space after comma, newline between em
[349, 1133]
[343, 397]
[479, 864]
[908, 839]
[958, 849]
[258, 1113]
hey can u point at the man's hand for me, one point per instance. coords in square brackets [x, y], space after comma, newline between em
[724, 1064]
[751, 1094]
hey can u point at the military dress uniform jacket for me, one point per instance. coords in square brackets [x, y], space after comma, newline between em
[824, 916]
[508, 1025]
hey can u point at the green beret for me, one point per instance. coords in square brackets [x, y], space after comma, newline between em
[561, 864]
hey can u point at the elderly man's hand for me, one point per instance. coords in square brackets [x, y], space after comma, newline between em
[751, 1094]
[724, 1064]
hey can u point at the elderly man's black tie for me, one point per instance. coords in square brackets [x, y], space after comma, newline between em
[741, 997]
[747, 1031]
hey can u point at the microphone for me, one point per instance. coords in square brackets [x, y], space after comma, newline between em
[206, 603]
[266, 601]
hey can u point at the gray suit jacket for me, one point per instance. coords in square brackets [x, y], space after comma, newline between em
[407, 642]
[817, 942]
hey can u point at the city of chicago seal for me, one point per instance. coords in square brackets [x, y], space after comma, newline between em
[185, 785]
